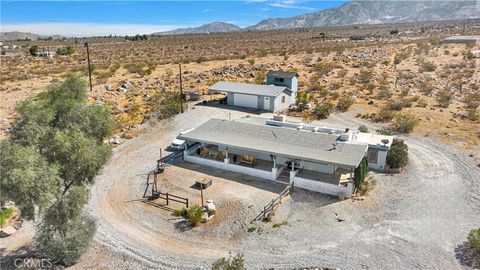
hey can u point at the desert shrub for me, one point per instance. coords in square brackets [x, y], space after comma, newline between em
[6, 213]
[444, 98]
[474, 240]
[365, 76]
[231, 263]
[251, 61]
[425, 87]
[322, 111]
[252, 229]
[363, 129]
[200, 59]
[396, 105]
[384, 93]
[427, 66]
[472, 100]
[303, 98]
[366, 186]
[405, 123]
[422, 103]
[397, 156]
[194, 214]
[384, 131]
[67, 50]
[276, 225]
[345, 102]
[180, 212]
[473, 115]
[384, 114]
[342, 73]
[324, 68]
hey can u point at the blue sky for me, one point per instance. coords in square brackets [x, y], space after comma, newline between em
[83, 18]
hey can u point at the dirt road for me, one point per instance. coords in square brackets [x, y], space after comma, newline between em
[413, 220]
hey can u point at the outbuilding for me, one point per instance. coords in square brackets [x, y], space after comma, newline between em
[277, 95]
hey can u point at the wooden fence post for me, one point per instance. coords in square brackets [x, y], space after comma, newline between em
[167, 197]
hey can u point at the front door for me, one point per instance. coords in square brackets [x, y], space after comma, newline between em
[266, 103]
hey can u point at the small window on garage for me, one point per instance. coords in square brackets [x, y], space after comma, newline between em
[283, 99]
[279, 80]
[372, 156]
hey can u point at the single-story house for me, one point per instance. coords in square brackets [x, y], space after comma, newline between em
[277, 95]
[315, 161]
[378, 145]
[472, 40]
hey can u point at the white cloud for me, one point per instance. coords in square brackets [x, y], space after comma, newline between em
[290, 4]
[87, 29]
[205, 10]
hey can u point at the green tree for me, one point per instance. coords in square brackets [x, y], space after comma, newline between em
[65, 232]
[34, 50]
[397, 156]
[231, 263]
[58, 142]
[27, 178]
[360, 172]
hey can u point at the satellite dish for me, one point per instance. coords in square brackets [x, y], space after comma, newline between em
[385, 141]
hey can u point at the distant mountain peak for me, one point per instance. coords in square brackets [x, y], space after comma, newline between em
[377, 12]
[214, 27]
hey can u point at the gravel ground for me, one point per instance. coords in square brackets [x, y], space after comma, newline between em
[418, 219]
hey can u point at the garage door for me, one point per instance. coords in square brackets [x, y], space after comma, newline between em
[245, 101]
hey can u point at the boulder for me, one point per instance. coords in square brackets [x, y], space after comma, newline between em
[210, 205]
[108, 87]
[7, 231]
[204, 217]
[127, 85]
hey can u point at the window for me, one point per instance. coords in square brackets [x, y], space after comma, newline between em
[283, 99]
[372, 156]
[279, 80]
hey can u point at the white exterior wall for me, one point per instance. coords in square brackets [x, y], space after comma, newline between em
[324, 168]
[381, 161]
[279, 106]
[270, 175]
[321, 187]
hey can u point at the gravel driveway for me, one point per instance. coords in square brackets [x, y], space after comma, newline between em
[414, 220]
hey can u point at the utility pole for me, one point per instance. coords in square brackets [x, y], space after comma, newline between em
[181, 90]
[89, 69]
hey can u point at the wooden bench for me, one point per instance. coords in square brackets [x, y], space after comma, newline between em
[248, 159]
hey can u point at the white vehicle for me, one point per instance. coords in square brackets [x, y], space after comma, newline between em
[178, 144]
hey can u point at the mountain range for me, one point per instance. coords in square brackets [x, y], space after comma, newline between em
[351, 13]
[356, 12]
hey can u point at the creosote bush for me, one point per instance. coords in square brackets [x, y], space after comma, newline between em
[474, 241]
[322, 111]
[344, 103]
[231, 263]
[397, 156]
[194, 214]
[405, 123]
[444, 98]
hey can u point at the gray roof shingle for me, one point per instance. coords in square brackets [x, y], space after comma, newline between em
[248, 88]
[281, 74]
[297, 144]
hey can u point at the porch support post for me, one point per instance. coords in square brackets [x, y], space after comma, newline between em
[226, 160]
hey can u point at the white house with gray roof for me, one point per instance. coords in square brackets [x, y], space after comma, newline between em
[277, 95]
[311, 160]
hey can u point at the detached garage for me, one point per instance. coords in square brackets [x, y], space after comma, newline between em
[257, 96]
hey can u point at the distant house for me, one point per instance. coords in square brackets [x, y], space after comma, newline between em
[277, 95]
[472, 40]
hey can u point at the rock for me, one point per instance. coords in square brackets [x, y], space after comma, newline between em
[122, 89]
[210, 205]
[204, 217]
[108, 87]
[127, 85]
[116, 140]
[7, 231]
